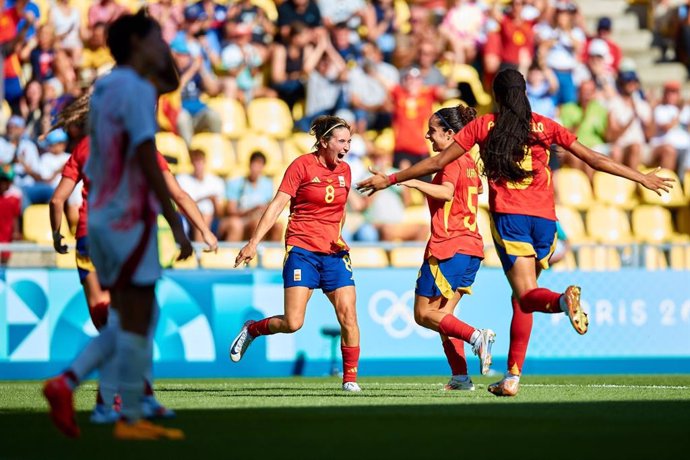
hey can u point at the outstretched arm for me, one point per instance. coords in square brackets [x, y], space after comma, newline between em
[267, 221]
[425, 167]
[190, 209]
[57, 209]
[603, 163]
[443, 192]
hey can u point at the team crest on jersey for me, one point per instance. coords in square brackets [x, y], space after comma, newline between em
[297, 275]
[315, 180]
[341, 181]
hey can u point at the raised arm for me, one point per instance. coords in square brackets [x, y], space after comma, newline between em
[379, 181]
[57, 210]
[603, 163]
[267, 221]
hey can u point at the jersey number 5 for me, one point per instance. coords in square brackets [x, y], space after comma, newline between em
[472, 199]
[330, 194]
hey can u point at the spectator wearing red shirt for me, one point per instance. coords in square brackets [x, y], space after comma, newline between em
[412, 106]
[511, 46]
[10, 209]
[613, 60]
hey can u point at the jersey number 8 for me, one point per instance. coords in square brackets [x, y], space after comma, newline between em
[330, 194]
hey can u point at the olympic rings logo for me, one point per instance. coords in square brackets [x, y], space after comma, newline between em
[396, 314]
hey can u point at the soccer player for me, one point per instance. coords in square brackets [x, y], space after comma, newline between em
[454, 251]
[73, 118]
[126, 190]
[514, 146]
[316, 185]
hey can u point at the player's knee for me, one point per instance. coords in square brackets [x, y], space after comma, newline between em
[293, 325]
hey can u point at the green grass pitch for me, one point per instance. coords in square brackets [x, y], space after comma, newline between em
[583, 417]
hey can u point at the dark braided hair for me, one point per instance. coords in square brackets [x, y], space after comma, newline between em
[506, 143]
[455, 118]
[322, 127]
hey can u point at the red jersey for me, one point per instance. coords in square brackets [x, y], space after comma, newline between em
[10, 210]
[410, 114]
[454, 223]
[515, 37]
[534, 195]
[317, 208]
[74, 169]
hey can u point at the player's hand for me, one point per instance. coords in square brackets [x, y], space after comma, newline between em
[377, 182]
[412, 183]
[210, 240]
[186, 249]
[247, 253]
[657, 183]
[57, 243]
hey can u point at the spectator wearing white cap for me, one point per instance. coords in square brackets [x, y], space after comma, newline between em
[47, 175]
[16, 149]
[595, 69]
[615, 54]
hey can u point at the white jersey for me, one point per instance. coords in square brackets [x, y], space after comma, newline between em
[122, 116]
[122, 209]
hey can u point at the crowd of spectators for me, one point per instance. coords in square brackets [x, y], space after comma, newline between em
[379, 63]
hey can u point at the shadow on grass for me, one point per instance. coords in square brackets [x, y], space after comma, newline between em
[528, 430]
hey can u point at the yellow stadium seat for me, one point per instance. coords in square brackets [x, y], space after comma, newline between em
[654, 224]
[573, 188]
[6, 111]
[174, 149]
[298, 144]
[269, 7]
[232, 115]
[679, 256]
[654, 258]
[683, 220]
[484, 225]
[402, 15]
[368, 257]
[385, 141]
[224, 258]
[220, 157]
[607, 224]
[264, 144]
[191, 263]
[566, 264]
[491, 258]
[407, 256]
[614, 190]
[65, 260]
[448, 103]
[270, 116]
[463, 73]
[298, 110]
[36, 225]
[417, 215]
[273, 258]
[672, 199]
[598, 258]
[572, 224]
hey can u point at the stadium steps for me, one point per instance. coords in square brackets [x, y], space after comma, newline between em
[598, 8]
[626, 22]
[638, 41]
[660, 73]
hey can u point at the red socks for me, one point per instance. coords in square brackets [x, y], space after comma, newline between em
[260, 328]
[520, 330]
[99, 314]
[350, 363]
[541, 300]
[455, 353]
[453, 327]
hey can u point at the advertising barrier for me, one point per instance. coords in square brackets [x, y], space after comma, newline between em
[639, 323]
